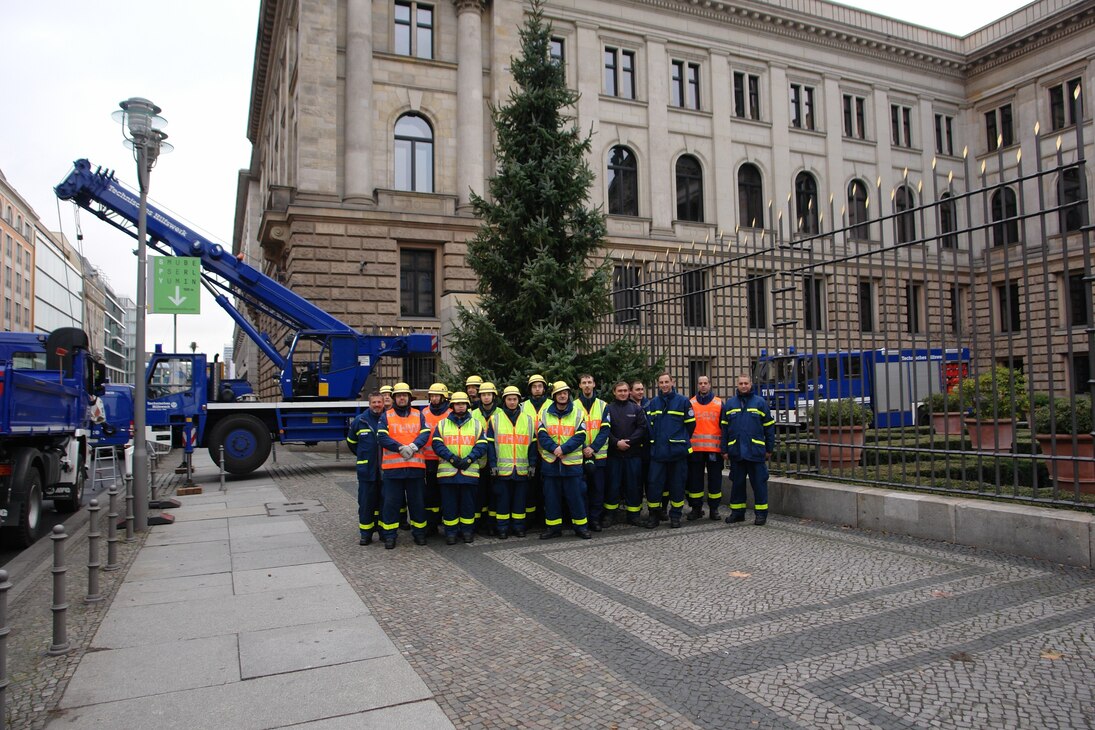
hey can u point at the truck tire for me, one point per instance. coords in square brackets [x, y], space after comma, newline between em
[30, 513]
[246, 442]
[71, 504]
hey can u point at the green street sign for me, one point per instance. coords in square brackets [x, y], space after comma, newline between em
[176, 285]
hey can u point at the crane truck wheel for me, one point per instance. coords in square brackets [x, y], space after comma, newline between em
[73, 503]
[26, 531]
[246, 442]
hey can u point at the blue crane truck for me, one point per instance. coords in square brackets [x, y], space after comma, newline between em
[49, 386]
[321, 375]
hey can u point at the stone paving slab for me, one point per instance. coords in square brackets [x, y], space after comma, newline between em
[127, 626]
[209, 513]
[285, 578]
[275, 701]
[169, 561]
[184, 532]
[171, 590]
[412, 716]
[241, 527]
[295, 540]
[121, 674]
[275, 651]
[279, 557]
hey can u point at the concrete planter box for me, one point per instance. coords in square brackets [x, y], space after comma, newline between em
[840, 447]
[989, 435]
[1065, 473]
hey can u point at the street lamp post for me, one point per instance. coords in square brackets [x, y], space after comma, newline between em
[143, 130]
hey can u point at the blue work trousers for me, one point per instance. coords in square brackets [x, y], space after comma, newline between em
[458, 505]
[368, 502]
[757, 472]
[556, 489]
[509, 504]
[595, 490]
[394, 492]
[667, 477]
[431, 497]
[700, 464]
[625, 480]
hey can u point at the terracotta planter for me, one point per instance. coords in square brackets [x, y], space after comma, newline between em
[947, 424]
[989, 435]
[840, 447]
[1068, 473]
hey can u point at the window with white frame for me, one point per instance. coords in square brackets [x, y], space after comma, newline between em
[802, 107]
[619, 78]
[746, 95]
[684, 84]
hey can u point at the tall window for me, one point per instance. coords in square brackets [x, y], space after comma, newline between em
[623, 182]
[416, 283]
[756, 295]
[904, 202]
[695, 298]
[802, 106]
[413, 29]
[619, 73]
[998, 127]
[958, 308]
[855, 116]
[914, 308]
[626, 296]
[1005, 222]
[806, 203]
[866, 306]
[1073, 211]
[750, 197]
[413, 154]
[557, 51]
[944, 134]
[948, 221]
[813, 303]
[860, 229]
[1011, 307]
[1079, 306]
[1080, 377]
[689, 189]
[1063, 102]
[746, 95]
[900, 125]
[684, 87]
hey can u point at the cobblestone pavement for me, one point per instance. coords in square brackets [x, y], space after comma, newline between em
[794, 625]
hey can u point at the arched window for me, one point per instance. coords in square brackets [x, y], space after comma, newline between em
[750, 197]
[623, 182]
[806, 203]
[859, 228]
[948, 221]
[413, 154]
[689, 189]
[1005, 224]
[1069, 197]
[903, 202]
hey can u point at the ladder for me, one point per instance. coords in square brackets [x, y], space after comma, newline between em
[106, 468]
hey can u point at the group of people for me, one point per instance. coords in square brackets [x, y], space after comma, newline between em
[477, 459]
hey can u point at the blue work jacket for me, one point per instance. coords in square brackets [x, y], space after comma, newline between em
[672, 422]
[748, 428]
[363, 440]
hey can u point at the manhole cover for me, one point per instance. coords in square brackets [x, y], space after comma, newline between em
[300, 507]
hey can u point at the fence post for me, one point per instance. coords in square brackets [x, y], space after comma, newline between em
[129, 517]
[223, 487]
[93, 535]
[112, 529]
[60, 643]
[5, 585]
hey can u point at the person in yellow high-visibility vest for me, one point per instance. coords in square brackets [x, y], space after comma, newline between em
[534, 406]
[488, 404]
[595, 453]
[437, 410]
[511, 450]
[706, 456]
[459, 441]
[561, 435]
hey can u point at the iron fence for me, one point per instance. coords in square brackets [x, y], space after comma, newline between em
[893, 299]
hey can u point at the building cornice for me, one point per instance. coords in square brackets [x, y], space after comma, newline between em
[260, 73]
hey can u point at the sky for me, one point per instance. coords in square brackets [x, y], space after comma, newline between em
[66, 65]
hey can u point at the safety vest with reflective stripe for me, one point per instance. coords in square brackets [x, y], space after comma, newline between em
[594, 417]
[708, 431]
[560, 430]
[460, 440]
[403, 430]
[529, 408]
[511, 441]
[432, 419]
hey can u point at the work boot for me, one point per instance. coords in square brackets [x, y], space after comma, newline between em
[503, 535]
[714, 516]
[674, 522]
[652, 521]
[735, 516]
[760, 518]
[419, 539]
[695, 514]
[608, 520]
[365, 539]
[584, 534]
[595, 526]
[551, 534]
[518, 532]
[469, 537]
[633, 519]
[389, 543]
[450, 539]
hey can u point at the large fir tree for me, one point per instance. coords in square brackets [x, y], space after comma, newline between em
[543, 286]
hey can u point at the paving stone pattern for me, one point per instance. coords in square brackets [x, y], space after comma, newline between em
[794, 625]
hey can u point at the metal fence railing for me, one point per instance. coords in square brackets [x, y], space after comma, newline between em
[968, 290]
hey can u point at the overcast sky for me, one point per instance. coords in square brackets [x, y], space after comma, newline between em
[66, 65]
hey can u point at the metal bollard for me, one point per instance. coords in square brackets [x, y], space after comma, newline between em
[337, 456]
[274, 450]
[223, 487]
[112, 530]
[129, 517]
[5, 585]
[93, 564]
[60, 643]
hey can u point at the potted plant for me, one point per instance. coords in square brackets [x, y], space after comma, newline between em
[841, 426]
[1065, 431]
[996, 399]
[946, 414]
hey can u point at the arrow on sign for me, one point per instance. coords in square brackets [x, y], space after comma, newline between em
[177, 300]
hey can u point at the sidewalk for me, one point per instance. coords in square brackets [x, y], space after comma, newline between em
[235, 616]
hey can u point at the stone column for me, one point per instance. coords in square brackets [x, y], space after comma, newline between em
[358, 158]
[660, 171]
[469, 99]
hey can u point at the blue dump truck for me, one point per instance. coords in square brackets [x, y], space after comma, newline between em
[49, 397]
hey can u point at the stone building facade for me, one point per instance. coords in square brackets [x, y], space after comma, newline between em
[715, 125]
